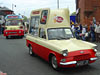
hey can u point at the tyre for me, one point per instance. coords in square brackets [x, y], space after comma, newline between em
[30, 51]
[21, 37]
[7, 37]
[54, 63]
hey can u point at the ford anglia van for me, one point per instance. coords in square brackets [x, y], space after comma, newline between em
[14, 26]
[50, 37]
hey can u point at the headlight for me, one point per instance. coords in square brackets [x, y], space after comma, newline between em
[95, 49]
[65, 53]
[6, 32]
[19, 31]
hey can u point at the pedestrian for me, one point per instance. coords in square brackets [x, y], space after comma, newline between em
[73, 27]
[80, 31]
[92, 32]
[83, 33]
[97, 32]
[86, 33]
[80, 28]
[76, 31]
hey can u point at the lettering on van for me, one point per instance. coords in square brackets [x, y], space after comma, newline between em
[12, 16]
[36, 12]
[58, 19]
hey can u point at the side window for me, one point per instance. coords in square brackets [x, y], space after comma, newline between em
[44, 16]
[42, 33]
[34, 23]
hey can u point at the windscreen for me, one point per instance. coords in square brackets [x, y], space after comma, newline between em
[59, 33]
[13, 22]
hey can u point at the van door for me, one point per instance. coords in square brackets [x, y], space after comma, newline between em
[42, 51]
[34, 23]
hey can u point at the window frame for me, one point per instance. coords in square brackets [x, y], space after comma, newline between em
[60, 28]
[41, 30]
[46, 17]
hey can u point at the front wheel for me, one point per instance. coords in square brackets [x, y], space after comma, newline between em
[54, 63]
[21, 37]
[30, 51]
[7, 37]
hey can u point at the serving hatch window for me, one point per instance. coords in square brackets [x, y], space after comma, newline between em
[34, 23]
[59, 33]
[44, 17]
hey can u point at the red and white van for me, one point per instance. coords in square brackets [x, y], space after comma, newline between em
[50, 37]
[14, 26]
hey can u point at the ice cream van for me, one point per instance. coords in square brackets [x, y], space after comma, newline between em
[14, 26]
[50, 37]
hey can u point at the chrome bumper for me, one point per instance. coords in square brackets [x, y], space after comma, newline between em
[74, 62]
[68, 63]
[93, 58]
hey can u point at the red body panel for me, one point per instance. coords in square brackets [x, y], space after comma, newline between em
[72, 56]
[13, 32]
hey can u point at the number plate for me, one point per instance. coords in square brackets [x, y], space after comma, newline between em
[81, 63]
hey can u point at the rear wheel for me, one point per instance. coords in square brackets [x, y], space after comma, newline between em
[54, 63]
[30, 51]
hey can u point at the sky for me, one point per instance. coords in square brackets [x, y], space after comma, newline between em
[24, 7]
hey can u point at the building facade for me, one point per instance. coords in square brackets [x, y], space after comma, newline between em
[5, 11]
[87, 10]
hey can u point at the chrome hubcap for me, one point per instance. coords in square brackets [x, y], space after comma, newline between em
[30, 50]
[54, 62]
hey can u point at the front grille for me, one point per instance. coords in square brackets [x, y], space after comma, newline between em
[12, 32]
[12, 28]
[82, 57]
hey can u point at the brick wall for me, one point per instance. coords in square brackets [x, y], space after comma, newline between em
[88, 10]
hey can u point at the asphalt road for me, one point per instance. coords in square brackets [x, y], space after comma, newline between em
[15, 60]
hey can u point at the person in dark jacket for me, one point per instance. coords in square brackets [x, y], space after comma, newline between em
[92, 32]
[80, 28]
[76, 31]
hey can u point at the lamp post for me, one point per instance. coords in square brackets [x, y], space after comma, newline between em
[58, 4]
[13, 6]
[1, 4]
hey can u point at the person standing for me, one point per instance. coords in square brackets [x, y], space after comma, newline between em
[73, 27]
[76, 31]
[92, 32]
[97, 32]
[80, 28]
[83, 32]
